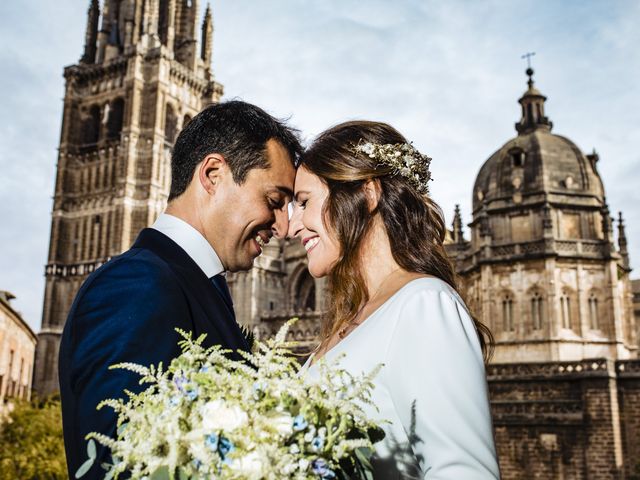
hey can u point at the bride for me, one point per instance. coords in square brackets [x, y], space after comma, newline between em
[363, 215]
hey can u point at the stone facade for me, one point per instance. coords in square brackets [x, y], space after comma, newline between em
[17, 349]
[144, 73]
[544, 270]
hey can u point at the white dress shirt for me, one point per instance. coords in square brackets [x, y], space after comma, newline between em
[191, 241]
[432, 387]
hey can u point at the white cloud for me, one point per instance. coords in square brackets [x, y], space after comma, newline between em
[446, 74]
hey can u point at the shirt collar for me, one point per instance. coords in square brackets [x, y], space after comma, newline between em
[191, 241]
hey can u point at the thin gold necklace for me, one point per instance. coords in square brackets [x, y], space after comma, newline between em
[353, 324]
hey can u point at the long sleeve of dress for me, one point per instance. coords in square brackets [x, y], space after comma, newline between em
[436, 378]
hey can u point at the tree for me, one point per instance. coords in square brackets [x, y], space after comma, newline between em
[31, 442]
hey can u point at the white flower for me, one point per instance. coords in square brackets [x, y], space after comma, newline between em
[367, 148]
[281, 423]
[251, 466]
[217, 415]
[290, 468]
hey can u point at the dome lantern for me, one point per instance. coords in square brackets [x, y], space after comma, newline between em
[532, 102]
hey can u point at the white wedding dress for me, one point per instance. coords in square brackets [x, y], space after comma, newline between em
[432, 387]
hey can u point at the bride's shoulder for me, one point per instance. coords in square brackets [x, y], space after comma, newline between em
[424, 284]
[425, 293]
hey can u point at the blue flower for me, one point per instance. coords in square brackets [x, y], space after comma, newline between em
[299, 423]
[317, 443]
[174, 401]
[321, 468]
[192, 393]
[180, 381]
[225, 446]
[211, 441]
[204, 369]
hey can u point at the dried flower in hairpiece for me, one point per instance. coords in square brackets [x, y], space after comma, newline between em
[403, 159]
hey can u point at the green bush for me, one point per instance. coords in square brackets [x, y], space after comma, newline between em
[31, 442]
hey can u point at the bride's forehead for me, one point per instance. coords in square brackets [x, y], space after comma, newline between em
[306, 179]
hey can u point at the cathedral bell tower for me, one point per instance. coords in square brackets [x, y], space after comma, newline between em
[144, 73]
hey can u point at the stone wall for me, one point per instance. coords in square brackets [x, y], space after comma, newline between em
[561, 420]
[629, 401]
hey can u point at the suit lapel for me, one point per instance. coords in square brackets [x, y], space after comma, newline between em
[220, 317]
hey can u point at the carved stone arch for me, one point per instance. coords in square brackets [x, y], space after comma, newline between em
[91, 126]
[304, 297]
[507, 310]
[537, 302]
[595, 304]
[568, 308]
[294, 278]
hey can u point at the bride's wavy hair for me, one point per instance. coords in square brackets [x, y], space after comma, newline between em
[414, 222]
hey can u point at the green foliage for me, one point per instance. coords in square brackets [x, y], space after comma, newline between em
[31, 442]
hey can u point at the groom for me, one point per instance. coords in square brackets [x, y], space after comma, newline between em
[232, 174]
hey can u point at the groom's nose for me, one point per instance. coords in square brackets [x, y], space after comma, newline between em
[281, 224]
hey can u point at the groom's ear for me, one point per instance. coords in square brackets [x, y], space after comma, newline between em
[210, 171]
[373, 192]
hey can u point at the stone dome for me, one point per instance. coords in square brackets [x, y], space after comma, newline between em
[537, 164]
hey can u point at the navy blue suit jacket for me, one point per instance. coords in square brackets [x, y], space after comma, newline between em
[127, 311]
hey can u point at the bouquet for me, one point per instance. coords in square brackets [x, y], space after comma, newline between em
[211, 417]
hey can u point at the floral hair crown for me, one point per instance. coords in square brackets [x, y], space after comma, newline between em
[403, 158]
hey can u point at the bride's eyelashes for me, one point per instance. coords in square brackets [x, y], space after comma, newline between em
[302, 203]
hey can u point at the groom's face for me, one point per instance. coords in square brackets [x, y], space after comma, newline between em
[255, 211]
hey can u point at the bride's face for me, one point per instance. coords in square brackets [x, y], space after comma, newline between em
[306, 223]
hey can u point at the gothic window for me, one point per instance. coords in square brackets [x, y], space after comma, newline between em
[508, 323]
[517, 158]
[537, 311]
[305, 292]
[170, 125]
[116, 117]
[593, 311]
[186, 120]
[91, 128]
[565, 310]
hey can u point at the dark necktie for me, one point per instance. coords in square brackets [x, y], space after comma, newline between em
[221, 285]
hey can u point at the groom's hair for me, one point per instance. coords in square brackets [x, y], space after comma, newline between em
[236, 130]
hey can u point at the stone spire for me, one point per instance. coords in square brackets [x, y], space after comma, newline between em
[532, 103]
[607, 228]
[91, 36]
[207, 38]
[622, 241]
[458, 234]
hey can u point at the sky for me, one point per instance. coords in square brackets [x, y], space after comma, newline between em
[447, 74]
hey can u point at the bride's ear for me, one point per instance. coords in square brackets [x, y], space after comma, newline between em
[372, 191]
